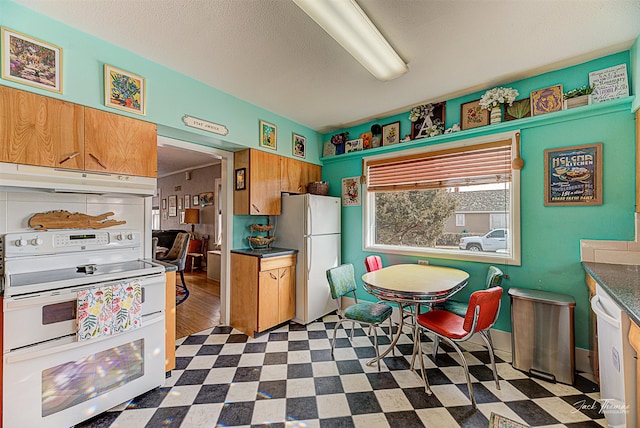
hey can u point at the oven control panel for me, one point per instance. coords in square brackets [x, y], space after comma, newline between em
[66, 241]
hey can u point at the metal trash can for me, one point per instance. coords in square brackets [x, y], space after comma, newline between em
[542, 338]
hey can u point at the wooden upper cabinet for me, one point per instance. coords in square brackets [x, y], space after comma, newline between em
[295, 175]
[261, 195]
[38, 130]
[119, 144]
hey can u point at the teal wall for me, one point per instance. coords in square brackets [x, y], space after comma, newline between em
[635, 72]
[170, 95]
[550, 235]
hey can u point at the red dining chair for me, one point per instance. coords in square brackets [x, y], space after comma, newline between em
[373, 263]
[482, 313]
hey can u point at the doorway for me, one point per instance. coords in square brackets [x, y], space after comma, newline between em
[194, 178]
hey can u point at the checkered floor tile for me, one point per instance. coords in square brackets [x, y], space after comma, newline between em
[287, 378]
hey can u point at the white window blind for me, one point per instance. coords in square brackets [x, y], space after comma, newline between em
[462, 166]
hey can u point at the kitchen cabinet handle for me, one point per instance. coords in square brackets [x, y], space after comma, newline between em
[600, 312]
[97, 160]
[272, 275]
[283, 274]
[255, 208]
[71, 156]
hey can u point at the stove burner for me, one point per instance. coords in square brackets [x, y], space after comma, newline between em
[88, 269]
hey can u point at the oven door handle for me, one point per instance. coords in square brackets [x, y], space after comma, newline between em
[31, 353]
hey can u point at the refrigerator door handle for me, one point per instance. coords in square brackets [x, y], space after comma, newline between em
[307, 243]
[308, 230]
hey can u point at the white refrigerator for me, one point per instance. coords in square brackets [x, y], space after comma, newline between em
[311, 224]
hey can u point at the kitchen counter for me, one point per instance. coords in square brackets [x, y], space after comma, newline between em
[621, 282]
[168, 267]
[265, 252]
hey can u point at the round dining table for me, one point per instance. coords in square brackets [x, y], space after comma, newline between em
[410, 286]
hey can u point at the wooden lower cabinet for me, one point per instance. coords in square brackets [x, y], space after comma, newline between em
[170, 322]
[263, 292]
[634, 339]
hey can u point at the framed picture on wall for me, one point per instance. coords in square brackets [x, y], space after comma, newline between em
[206, 199]
[546, 100]
[179, 203]
[573, 175]
[195, 201]
[173, 204]
[268, 135]
[391, 133]
[31, 61]
[164, 204]
[124, 91]
[472, 115]
[241, 178]
[299, 145]
[187, 201]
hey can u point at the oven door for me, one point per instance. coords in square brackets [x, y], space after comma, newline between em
[38, 318]
[63, 382]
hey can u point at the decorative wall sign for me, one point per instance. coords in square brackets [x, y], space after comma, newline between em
[351, 191]
[610, 83]
[241, 179]
[205, 125]
[31, 61]
[573, 175]
[124, 91]
[328, 150]
[423, 125]
[546, 100]
[353, 145]
[391, 134]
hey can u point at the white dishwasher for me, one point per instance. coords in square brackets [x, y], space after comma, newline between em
[617, 363]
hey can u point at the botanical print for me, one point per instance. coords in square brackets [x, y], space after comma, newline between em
[127, 306]
[391, 134]
[351, 191]
[268, 135]
[472, 115]
[124, 90]
[94, 313]
[31, 61]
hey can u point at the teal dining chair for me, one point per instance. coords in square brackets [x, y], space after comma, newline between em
[494, 279]
[342, 283]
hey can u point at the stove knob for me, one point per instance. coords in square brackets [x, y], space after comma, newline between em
[21, 242]
[36, 241]
[119, 236]
[130, 237]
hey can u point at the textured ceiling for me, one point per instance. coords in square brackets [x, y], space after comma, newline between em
[270, 53]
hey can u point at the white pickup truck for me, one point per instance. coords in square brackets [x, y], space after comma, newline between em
[493, 240]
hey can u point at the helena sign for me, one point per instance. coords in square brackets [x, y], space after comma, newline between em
[205, 125]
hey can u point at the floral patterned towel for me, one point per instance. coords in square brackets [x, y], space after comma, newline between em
[127, 306]
[94, 313]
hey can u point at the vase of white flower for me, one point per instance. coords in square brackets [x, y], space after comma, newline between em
[494, 99]
[495, 115]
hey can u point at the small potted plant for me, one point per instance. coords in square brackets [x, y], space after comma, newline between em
[578, 97]
[493, 100]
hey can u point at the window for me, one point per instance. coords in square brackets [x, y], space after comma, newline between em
[457, 200]
[155, 218]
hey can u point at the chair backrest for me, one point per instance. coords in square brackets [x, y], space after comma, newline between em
[494, 277]
[154, 246]
[178, 252]
[373, 263]
[341, 280]
[488, 302]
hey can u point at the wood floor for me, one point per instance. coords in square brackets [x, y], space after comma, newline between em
[201, 310]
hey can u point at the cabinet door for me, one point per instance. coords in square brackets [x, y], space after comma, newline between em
[120, 144]
[38, 130]
[268, 314]
[264, 183]
[287, 294]
[295, 175]
[261, 192]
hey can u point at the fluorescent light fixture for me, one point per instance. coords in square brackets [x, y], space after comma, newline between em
[352, 28]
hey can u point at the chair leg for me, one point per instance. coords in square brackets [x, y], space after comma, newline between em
[333, 342]
[486, 336]
[466, 371]
[436, 344]
[393, 350]
[418, 348]
[353, 325]
[184, 284]
[375, 343]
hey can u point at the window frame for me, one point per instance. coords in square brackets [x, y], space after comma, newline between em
[368, 209]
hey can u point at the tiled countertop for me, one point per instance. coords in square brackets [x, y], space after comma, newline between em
[622, 282]
[265, 252]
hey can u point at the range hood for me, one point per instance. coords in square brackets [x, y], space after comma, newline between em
[14, 177]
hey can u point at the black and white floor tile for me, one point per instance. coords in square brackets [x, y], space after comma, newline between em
[287, 378]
